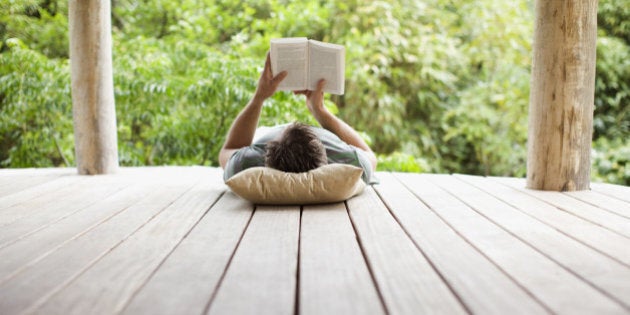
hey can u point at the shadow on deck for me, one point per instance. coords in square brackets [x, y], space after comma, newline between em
[173, 240]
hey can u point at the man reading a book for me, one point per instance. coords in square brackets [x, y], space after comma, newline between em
[293, 147]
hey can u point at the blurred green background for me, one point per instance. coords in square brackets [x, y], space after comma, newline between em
[433, 85]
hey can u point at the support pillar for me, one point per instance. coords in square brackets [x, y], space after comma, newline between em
[562, 95]
[93, 107]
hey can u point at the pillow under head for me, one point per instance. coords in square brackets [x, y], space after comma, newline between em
[325, 184]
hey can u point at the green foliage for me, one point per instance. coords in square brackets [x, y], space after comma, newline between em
[613, 17]
[402, 162]
[433, 85]
[486, 131]
[492, 120]
[41, 25]
[612, 87]
[176, 100]
[397, 85]
[611, 161]
[35, 125]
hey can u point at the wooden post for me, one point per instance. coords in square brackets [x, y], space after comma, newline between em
[94, 112]
[562, 95]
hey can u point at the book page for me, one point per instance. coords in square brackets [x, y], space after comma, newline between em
[290, 54]
[327, 61]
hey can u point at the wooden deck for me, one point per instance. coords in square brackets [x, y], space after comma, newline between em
[175, 241]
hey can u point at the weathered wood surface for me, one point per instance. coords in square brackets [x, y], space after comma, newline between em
[93, 110]
[175, 240]
[562, 95]
[333, 276]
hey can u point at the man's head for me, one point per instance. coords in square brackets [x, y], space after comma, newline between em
[296, 150]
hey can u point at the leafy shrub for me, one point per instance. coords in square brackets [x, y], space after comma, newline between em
[434, 85]
[401, 162]
[42, 26]
[176, 100]
[612, 89]
[613, 17]
[35, 109]
[611, 161]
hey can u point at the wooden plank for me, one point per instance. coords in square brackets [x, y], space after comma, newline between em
[107, 286]
[190, 275]
[13, 184]
[480, 284]
[43, 171]
[617, 191]
[46, 212]
[165, 172]
[334, 277]
[63, 201]
[46, 209]
[37, 245]
[576, 207]
[38, 280]
[76, 192]
[406, 280]
[611, 204]
[262, 277]
[46, 190]
[604, 273]
[560, 290]
[611, 244]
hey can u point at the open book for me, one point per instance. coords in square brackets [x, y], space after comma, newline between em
[307, 61]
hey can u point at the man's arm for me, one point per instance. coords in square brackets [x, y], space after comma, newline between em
[315, 103]
[244, 126]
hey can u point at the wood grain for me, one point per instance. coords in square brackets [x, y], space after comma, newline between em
[39, 279]
[334, 277]
[602, 272]
[108, 285]
[477, 281]
[157, 243]
[562, 95]
[602, 201]
[594, 236]
[186, 281]
[560, 290]
[35, 191]
[93, 109]
[26, 218]
[10, 185]
[616, 191]
[611, 221]
[262, 277]
[407, 281]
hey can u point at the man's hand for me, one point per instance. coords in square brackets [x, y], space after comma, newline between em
[267, 84]
[315, 99]
[243, 128]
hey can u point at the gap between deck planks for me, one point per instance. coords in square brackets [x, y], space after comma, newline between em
[46, 274]
[108, 285]
[415, 244]
[549, 283]
[603, 273]
[575, 206]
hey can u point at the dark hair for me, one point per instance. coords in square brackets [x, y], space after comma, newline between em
[296, 150]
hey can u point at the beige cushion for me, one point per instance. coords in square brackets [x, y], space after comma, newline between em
[329, 183]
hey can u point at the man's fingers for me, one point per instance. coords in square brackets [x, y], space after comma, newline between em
[268, 60]
[320, 85]
[267, 71]
[280, 77]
